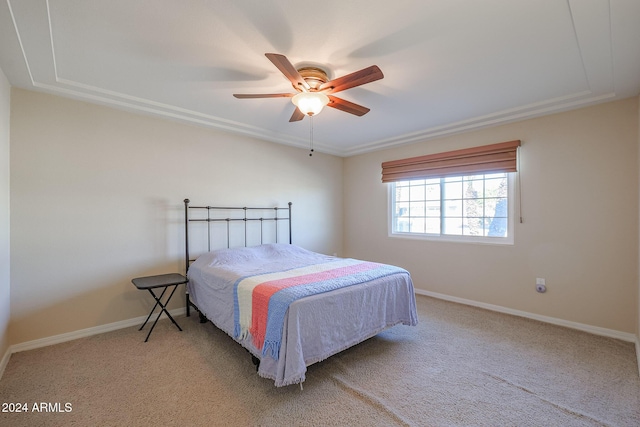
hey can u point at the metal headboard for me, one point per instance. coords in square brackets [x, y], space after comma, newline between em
[246, 216]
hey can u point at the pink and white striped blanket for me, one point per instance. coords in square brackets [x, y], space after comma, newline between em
[261, 301]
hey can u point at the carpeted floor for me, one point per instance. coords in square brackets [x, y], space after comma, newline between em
[461, 366]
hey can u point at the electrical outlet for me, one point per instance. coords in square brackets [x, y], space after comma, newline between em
[541, 285]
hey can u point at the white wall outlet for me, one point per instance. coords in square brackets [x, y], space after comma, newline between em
[541, 285]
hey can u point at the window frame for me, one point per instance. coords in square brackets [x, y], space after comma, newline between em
[511, 211]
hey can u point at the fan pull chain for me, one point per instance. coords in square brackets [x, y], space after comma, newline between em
[310, 136]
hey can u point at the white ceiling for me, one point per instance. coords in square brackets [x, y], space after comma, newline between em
[449, 65]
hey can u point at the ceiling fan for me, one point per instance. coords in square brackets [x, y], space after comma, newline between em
[315, 90]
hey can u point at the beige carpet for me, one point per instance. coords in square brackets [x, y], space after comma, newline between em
[461, 366]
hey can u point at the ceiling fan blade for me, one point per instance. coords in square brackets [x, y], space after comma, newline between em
[366, 75]
[263, 95]
[287, 68]
[348, 106]
[296, 116]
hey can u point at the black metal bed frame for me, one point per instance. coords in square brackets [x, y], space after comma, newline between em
[246, 217]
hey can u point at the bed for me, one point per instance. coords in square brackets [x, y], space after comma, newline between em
[287, 306]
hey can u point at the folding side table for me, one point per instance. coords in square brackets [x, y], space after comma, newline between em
[161, 281]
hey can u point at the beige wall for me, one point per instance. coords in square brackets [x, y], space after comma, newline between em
[96, 199]
[580, 194]
[5, 107]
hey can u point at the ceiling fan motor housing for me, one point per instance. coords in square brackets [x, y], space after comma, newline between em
[314, 76]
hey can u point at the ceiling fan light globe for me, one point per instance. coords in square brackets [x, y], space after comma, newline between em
[310, 103]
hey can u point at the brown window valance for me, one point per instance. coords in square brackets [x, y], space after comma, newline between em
[493, 158]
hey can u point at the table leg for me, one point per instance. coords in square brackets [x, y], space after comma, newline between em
[154, 307]
[163, 310]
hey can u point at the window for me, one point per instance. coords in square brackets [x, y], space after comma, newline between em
[471, 208]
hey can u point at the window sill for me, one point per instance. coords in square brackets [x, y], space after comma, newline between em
[499, 241]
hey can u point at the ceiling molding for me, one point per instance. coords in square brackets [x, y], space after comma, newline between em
[535, 110]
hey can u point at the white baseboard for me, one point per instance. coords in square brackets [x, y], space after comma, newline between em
[5, 361]
[624, 336]
[69, 336]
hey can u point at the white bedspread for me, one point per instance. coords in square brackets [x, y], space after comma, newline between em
[315, 327]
